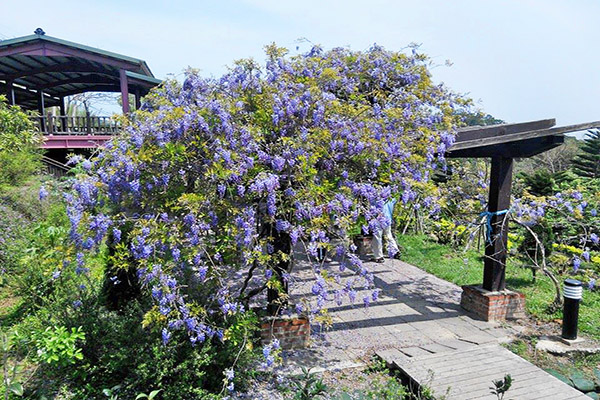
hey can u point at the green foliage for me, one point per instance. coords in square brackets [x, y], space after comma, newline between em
[479, 118]
[540, 183]
[501, 386]
[558, 160]
[59, 346]
[545, 235]
[17, 166]
[19, 157]
[126, 354]
[587, 162]
[447, 232]
[12, 379]
[149, 396]
[16, 129]
[308, 386]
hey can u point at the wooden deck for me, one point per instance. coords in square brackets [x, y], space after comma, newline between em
[464, 374]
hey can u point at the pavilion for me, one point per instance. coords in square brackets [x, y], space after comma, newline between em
[40, 71]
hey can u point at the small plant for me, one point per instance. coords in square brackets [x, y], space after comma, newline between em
[112, 392]
[10, 371]
[308, 386]
[149, 396]
[501, 386]
[59, 346]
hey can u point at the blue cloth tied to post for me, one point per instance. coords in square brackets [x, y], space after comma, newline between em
[488, 215]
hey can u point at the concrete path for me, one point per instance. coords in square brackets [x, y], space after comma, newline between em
[416, 319]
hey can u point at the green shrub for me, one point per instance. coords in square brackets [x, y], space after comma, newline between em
[58, 345]
[17, 166]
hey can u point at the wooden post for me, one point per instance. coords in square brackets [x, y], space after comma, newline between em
[124, 91]
[499, 200]
[10, 93]
[63, 114]
[138, 102]
[42, 111]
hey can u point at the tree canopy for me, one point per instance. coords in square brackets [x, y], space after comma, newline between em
[587, 162]
[218, 179]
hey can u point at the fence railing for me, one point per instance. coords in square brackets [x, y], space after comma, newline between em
[54, 167]
[62, 124]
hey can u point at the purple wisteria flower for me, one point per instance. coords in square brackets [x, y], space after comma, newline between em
[576, 263]
[43, 193]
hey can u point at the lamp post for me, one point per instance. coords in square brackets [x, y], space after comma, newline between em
[573, 292]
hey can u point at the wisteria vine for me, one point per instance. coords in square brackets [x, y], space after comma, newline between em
[214, 178]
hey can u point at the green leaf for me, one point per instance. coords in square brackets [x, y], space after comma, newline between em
[16, 388]
[141, 396]
[154, 393]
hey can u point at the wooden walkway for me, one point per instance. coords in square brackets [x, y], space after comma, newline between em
[468, 374]
[418, 326]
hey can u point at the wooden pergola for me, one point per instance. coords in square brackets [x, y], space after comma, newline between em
[39, 71]
[502, 144]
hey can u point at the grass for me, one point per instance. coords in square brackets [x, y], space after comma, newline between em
[466, 268]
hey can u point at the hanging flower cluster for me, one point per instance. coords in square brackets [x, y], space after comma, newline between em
[215, 180]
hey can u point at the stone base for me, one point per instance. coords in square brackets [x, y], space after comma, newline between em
[293, 332]
[571, 342]
[493, 306]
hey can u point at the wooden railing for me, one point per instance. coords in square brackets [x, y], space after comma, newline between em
[54, 167]
[63, 125]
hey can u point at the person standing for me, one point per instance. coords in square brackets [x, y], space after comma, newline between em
[377, 243]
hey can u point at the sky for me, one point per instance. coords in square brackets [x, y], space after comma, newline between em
[520, 60]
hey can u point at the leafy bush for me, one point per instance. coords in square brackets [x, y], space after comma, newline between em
[59, 346]
[19, 156]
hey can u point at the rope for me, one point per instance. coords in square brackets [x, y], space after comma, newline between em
[488, 225]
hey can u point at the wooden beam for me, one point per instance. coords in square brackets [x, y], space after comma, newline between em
[497, 235]
[515, 137]
[100, 87]
[521, 149]
[124, 91]
[480, 132]
[73, 66]
[90, 79]
[45, 49]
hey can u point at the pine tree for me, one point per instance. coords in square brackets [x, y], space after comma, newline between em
[587, 162]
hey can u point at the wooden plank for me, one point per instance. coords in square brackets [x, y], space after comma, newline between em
[480, 384]
[392, 356]
[519, 149]
[469, 374]
[515, 137]
[479, 132]
[413, 351]
[436, 348]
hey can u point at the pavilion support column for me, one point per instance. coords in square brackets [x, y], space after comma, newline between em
[63, 114]
[10, 93]
[124, 91]
[496, 245]
[138, 102]
[42, 111]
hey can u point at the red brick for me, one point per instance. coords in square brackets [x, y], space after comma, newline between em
[492, 305]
